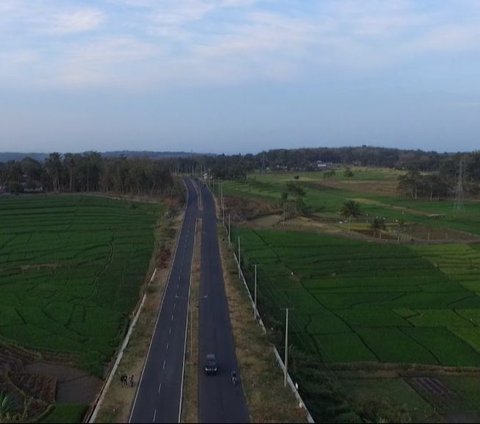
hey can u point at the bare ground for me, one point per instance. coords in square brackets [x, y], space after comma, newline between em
[35, 384]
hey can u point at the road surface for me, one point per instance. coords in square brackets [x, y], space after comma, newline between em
[219, 400]
[158, 397]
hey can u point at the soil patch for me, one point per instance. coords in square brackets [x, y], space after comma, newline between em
[245, 209]
[384, 188]
[73, 385]
[34, 385]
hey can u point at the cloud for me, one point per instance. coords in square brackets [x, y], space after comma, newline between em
[449, 38]
[109, 61]
[47, 18]
[74, 21]
[137, 42]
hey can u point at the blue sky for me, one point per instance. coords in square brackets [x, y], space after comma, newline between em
[238, 75]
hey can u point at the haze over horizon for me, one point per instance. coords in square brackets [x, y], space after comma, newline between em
[238, 76]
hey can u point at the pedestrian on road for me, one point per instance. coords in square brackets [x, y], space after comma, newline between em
[131, 380]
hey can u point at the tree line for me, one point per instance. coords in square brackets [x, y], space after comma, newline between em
[429, 175]
[87, 172]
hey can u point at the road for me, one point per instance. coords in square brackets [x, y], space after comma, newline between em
[158, 397]
[219, 400]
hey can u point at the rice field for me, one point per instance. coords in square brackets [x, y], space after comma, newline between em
[356, 301]
[71, 268]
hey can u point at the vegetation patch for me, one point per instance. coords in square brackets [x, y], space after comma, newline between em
[71, 272]
[359, 302]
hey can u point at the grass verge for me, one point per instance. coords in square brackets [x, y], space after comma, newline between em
[268, 400]
[190, 392]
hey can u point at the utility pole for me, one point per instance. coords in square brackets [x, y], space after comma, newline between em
[239, 268]
[221, 202]
[286, 349]
[459, 195]
[191, 333]
[229, 229]
[255, 294]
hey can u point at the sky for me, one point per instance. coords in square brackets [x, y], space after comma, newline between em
[238, 76]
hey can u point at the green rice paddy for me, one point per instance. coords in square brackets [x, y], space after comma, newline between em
[71, 268]
[356, 301]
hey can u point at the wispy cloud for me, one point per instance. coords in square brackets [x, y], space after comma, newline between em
[174, 41]
[110, 61]
[74, 21]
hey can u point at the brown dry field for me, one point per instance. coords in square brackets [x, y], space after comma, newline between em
[384, 188]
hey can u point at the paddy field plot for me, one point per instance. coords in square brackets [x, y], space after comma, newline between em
[357, 301]
[71, 268]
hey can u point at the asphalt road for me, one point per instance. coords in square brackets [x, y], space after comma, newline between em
[158, 397]
[219, 400]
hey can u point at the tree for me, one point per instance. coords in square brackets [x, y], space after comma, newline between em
[71, 162]
[53, 168]
[297, 192]
[377, 225]
[348, 172]
[410, 183]
[350, 209]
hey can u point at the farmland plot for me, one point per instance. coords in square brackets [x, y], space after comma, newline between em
[362, 301]
[71, 268]
[424, 218]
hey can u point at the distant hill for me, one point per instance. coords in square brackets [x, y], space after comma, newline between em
[147, 153]
[5, 157]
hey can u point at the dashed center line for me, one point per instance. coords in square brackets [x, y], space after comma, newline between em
[164, 362]
[167, 346]
[172, 317]
[159, 387]
[154, 415]
[170, 330]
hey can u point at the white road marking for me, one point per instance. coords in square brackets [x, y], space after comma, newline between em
[172, 317]
[167, 346]
[154, 415]
[164, 362]
[170, 330]
[159, 387]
